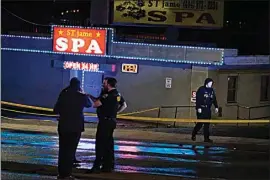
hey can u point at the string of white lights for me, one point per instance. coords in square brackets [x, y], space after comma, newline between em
[83, 80]
[128, 43]
[119, 57]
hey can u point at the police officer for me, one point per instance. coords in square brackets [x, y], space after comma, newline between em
[103, 91]
[75, 161]
[108, 105]
[205, 97]
[69, 106]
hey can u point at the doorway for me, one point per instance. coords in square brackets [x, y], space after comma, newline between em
[91, 83]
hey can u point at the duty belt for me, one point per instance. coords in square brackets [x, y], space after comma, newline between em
[205, 106]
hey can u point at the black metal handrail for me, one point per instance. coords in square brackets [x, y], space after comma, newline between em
[249, 108]
[236, 105]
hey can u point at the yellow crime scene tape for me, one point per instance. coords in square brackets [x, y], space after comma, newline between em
[19, 119]
[34, 108]
[223, 121]
[51, 110]
[127, 116]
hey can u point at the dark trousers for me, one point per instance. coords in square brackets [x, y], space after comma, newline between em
[77, 146]
[105, 144]
[68, 142]
[206, 114]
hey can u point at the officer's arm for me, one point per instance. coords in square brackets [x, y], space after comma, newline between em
[215, 99]
[123, 105]
[97, 103]
[100, 101]
[88, 103]
[199, 98]
[93, 98]
[58, 103]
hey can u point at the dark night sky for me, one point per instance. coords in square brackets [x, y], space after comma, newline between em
[251, 37]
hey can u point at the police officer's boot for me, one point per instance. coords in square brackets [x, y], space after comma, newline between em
[65, 178]
[76, 161]
[208, 140]
[206, 133]
[94, 169]
[193, 138]
[106, 170]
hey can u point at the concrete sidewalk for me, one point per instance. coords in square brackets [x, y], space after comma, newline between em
[149, 135]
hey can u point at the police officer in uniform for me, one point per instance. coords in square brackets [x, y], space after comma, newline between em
[108, 105]
[205, 97]
[69, 106]
[102, 92]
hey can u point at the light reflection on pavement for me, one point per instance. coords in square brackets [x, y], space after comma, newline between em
[6, 175]
[133, 156]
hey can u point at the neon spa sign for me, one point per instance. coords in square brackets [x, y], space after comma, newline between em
[83, 66]
[79, 40]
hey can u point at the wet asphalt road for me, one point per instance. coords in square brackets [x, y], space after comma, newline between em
[182, 160]
[7, 175]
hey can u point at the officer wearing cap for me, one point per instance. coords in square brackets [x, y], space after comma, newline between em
[69, 106]
[109, 104]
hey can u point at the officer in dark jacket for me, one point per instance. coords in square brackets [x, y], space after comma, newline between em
[108, 105]
[99, 110]
[75, 161]
[69, 106]
[103, 91]
[205, 97]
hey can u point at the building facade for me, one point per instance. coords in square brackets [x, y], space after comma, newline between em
[36, 69]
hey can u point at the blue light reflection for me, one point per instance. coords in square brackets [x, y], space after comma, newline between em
[43, 149]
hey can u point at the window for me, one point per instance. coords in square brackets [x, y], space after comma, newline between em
[265, 88]
[232, 89]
